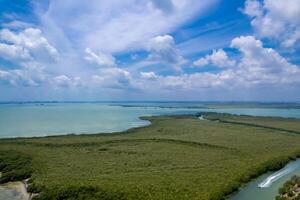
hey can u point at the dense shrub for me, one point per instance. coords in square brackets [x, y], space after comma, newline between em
[288, 189]
[15, 166]
[78, 193]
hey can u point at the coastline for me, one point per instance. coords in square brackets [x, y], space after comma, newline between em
[273, 165]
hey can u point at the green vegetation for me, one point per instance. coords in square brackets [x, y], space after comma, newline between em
[276, 123]
[214, 105]
[177, 157]
[14, 166]
[252, 105]
[290, 190]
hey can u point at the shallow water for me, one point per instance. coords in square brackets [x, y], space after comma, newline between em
[27, 120]
[274, 181]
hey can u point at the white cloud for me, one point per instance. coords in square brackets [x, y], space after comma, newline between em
[258, 66]
[253, 8]
[115, 78]
[275, 19]
[189, 82]
[218, 58]
[30, 52]
[32, 40]
[149, 75]
[100, 59]
[13, 52]
[115, 26]
[201, 62]
[66, 81]
[263, 65]
[163, 50]
[256, 57]
[18, 78]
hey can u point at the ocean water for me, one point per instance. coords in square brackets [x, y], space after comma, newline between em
[29, 120]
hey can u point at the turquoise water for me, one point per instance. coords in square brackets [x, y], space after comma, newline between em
[27, 120]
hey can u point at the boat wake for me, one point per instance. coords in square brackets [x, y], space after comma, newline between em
[277, 175]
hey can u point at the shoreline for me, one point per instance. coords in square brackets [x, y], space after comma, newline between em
[254, 179]
[267, 167]
[124, 129]
[22, 186]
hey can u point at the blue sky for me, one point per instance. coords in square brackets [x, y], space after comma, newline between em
[245, 50]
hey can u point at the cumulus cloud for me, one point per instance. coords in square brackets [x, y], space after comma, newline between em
[218, 58]
[275, 19]
[14, 52]
[120, 28]
[257, 66]
[253, 8]
[32, 40]
[163, 50]
[28, 51]
[149, 75]
[114, 78]
[18, 78]
[100, 59]
[189, 82]
[66, 81]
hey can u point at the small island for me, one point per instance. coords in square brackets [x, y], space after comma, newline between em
[290, 190]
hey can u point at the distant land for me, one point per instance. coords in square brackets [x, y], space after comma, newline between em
[179, 104]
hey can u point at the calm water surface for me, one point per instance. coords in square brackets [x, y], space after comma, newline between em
[27, 120]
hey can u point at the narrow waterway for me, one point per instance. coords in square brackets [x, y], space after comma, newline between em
[266, 186]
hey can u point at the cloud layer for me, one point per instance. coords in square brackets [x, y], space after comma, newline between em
[275, 19]
[112, 48]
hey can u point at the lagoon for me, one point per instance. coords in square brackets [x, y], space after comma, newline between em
[45, 119]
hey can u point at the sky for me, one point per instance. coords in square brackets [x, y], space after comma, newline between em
[150, 50]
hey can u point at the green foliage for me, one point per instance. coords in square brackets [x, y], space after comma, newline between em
[78, 193]
[177, 157]
[287, 190]
[288, 125]
[14, 166]
[281, 198]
